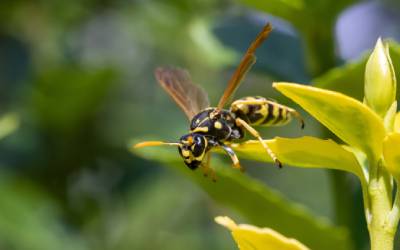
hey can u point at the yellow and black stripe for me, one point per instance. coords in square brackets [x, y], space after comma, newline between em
[260, 111]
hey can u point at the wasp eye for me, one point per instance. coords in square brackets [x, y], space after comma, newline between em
[198, 146]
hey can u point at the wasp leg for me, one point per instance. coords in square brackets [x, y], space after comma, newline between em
[233, 156]
[298, 117]
[254, 132]
[207, 170]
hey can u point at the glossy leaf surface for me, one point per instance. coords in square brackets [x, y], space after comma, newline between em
[346, 117]
[307, 152]
[249, 237]
[256, 201]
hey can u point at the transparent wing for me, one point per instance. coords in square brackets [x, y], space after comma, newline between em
[178, 84]
[247, 61]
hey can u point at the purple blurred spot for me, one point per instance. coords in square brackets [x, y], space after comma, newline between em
[359, 27]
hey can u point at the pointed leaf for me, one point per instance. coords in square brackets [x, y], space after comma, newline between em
[307, 152]
[391, 153]
[346, 117]
[249, 237]
[257, 202]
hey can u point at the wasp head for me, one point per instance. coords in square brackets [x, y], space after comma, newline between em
[192, 148]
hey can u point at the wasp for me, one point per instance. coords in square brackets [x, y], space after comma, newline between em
[212, 127]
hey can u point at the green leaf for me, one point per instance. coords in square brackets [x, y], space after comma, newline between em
[249, 237]
[257, 202]
[175, 218]
[349, 78]
[307, 152]
[209, 48]
[286, 9]
[346, 117]
[391, 154]
[80, 91]
[300, 12]
[8, 124]
[31, 221]
[318, 38]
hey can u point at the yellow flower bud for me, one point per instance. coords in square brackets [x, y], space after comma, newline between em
[380, 80]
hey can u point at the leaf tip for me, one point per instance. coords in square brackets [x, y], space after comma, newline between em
[277, 85]
[259, 238]
[226, 222]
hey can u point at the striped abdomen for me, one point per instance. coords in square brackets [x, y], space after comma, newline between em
[260, 111]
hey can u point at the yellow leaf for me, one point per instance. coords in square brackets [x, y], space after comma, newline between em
[397, 122]
[391, 154]
[349, 119]
[255, 200]
[308, 152]
[249, 237]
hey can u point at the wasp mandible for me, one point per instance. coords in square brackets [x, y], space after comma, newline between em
[212, 127]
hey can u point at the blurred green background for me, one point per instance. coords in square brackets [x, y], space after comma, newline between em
[77, 85]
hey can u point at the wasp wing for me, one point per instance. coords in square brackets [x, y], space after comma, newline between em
[178, 84]
[247, 61]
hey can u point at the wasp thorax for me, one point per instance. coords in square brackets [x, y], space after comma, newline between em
[192, 149]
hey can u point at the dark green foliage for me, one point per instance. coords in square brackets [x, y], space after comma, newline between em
[76, 84]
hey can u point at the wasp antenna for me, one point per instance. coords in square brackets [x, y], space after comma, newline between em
[154, 143]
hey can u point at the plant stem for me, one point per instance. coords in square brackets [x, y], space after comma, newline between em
[381, 239]
[394, 216]
[381, 234]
